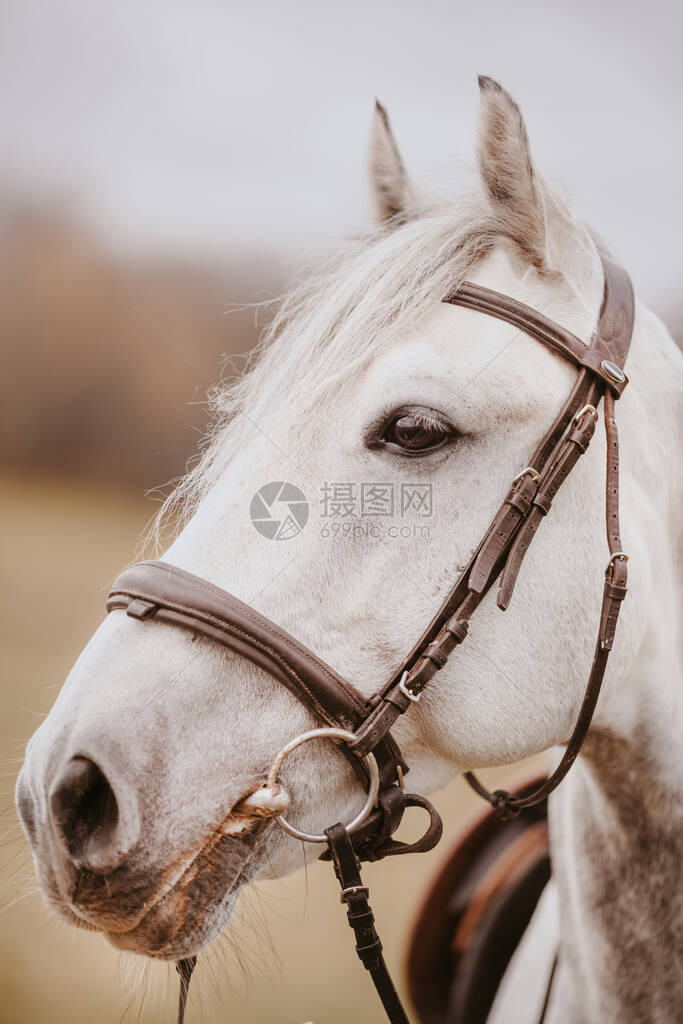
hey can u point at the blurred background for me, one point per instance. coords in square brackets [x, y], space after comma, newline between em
[165, 166]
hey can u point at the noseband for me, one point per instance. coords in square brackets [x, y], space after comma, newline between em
[158, 592]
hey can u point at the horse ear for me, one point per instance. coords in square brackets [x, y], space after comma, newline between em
[391, 191]
[525, 208]
[507, 171]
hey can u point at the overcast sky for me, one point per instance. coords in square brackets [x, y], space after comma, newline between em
[220, 125]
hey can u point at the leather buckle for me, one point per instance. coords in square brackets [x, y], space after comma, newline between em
[414, 697]
[529, 471]
[580, 414]
[352, 890]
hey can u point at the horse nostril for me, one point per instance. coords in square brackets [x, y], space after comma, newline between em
[89, 820]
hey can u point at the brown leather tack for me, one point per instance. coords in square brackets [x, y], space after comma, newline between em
[159, 593]
[139, 609]
[542, 503]
[436, 654]
[156, 591]
[457, 628]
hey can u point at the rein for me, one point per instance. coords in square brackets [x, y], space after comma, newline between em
[155, 591]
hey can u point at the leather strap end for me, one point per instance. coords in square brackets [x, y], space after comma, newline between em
[139, 609]
[501, 531]
[516, 555]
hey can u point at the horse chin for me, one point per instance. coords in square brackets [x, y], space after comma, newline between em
[178, 913]
[174, 929]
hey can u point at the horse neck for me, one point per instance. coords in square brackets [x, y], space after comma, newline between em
[617, 847]
[617, 820]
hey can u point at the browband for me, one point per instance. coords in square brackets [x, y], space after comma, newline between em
[503, 307]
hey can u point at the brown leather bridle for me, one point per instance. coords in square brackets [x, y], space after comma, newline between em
[156, 591]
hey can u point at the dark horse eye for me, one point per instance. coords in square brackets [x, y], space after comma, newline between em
[414, 431]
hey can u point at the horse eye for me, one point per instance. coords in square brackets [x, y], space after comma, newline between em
[415, 432]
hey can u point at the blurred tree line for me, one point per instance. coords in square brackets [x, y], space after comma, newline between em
[106, 361]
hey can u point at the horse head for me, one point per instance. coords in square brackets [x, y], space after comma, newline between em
[347, 481]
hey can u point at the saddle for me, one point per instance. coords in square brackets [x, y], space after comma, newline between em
[475, 914]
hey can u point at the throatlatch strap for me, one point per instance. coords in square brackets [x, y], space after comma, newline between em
[361, 919]
[614, 591]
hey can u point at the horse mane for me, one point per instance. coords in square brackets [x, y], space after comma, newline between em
[329, 326]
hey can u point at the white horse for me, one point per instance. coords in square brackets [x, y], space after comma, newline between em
[175, 732]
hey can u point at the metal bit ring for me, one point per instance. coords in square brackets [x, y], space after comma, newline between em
[333, 734]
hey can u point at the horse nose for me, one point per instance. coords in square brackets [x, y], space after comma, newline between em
[96, 817]
[25, 807]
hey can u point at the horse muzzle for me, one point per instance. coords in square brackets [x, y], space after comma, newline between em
[96, 871]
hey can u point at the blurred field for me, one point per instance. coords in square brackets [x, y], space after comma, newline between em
[290, 956]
